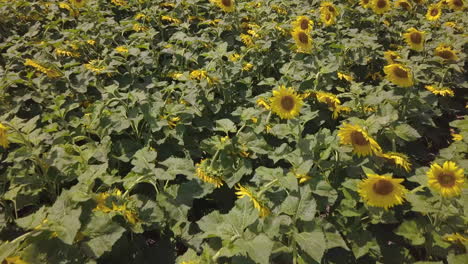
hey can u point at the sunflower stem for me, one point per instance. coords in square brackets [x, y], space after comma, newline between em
[259, 194]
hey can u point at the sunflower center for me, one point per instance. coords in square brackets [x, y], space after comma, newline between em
[358, 138]
[304, 24]
[383, 187]
[458, 3]
[446, 54]
[226, 2]
[446, 179]
[434, 12]
[381, 3]
[327, 17]
[405, 5]
[365, 2]
[400, 73]
[416, 37]
[331, 9]
[303, 38]
[287, 102]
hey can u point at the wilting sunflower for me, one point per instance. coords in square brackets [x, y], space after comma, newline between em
[434, 12]
[78, 3]
[303, 40]
[363, 144]
[3, 136]
[328, 13]
[286, 103]
[456, 5]
[365, 3]
[448, 179]
[225, 5]
[442, 91]
[303, 23]
[403, 4]
[381, 6]
[391, 56]
[382, 191]
[446, 52]
[399, 75]
[398, 159]
[415, 39]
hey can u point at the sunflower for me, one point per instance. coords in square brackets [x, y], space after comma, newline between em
[391, 56]
[456, 5]
[78, 3]
[242, 192]
[382, 191]
[415, 39]
[403, 4]
[434, 12]
[328, 13]
[398, 159]
[286, 103]
[419, 2]
[363, 144]
[3, 136]
[399, 75]
[339, 110]
[207, 174]
[446, 52]
[328, 98]
[303, 40]
[380, 6]
[225, 5]
[442, 91]
[448, 179]
[365, 3]
[303, 23]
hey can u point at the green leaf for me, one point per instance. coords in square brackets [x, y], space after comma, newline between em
[143, 160]
[312, 243]
[174, 167]
[103, 232]
[259, 249]
[225, 125]
[406, 132]
[411, 231]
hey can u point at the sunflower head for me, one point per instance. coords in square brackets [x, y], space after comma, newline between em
[434, 12]
[381, 6]
[391, 56]
[442, 91]
[328, 13]
[456, 5]
[226, 5]
[357, 137]
[405, 4]
[415, 39]
[446, 52]
[365, 3]
[303, 23]
[3, 136]
[286, 103]
[397, 159]
[328, 98]
[382, 191]
[206, 173]
[303, 40]
[447, 179]
[399, 75]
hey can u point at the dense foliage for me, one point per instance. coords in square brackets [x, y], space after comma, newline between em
[222, 131]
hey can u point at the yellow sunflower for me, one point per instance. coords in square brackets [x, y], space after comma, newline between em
[391, 56]
[442, 91]
[207, 174]
[419, 2]
[446, 52]
[328, 13]
[415, 39]
[328, 98]
[286, 103]
[303, 40]
[381, 6]
[225, 5]
[363, 144]
[3, 136]
[434, 12]
[365, 3]
[303, 23]
[403, 4]
[399, 75]
[242, 192]
[448, 179]
[398, 159]
[78, 3]
[456, 5]
[382, 191]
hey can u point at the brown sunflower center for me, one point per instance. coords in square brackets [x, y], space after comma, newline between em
[304, 24]
[287, 102]
[227, 3]
[405, 5]
[446, 179]
[434, 12]
[331, 9]
[328, 17]
[383, 187]
[303, 38]
[365, 2]
[446, 54]
[400, 73]
[381, 3]
[358, 138]
[416, 37]
[458, 3]
[78, 1]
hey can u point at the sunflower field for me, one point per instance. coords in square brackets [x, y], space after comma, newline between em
[233, 131]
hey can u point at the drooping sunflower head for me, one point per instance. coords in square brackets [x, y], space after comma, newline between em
[303, 23]
[286, 103]
[446, 52]
[403, 4]
[415, 39]
[442, 91]
[303, 40]
[357, 137]
[433, 12]
[456, 5]
[398, 75]
[206, 173]
[226, 5]
[391, 56]
[447, 179]
[328, 98]
[381, 6]
[398, 159]
[365, 3]
[78, 3]
[382, 191]
[3, 136]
